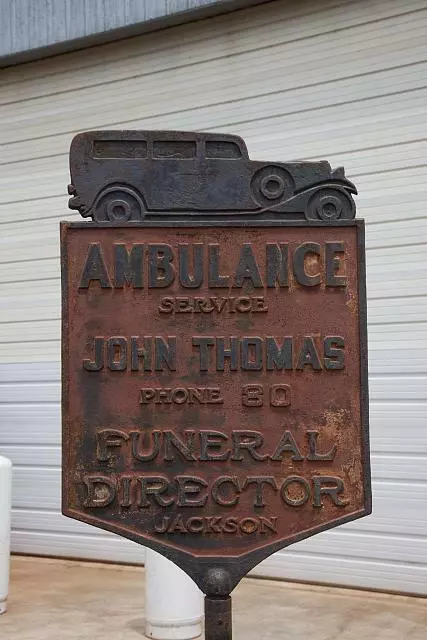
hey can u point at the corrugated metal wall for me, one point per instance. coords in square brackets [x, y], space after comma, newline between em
[342, 80]
[32, 29]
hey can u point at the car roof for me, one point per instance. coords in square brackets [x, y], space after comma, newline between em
[164, 135]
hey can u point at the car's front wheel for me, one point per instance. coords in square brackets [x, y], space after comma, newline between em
[118, 204]
[271, 186]
[330, 204]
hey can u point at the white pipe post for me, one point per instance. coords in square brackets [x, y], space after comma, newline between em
[5, 509]
[173, 602]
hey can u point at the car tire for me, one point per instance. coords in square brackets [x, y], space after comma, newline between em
[330, 204]
[118, 203]
[271, 186]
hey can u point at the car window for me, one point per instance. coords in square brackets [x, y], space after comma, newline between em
[119, 149]
[174, 149]
[222, 149]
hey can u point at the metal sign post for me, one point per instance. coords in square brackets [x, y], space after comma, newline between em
[214, 352]
[218, 618]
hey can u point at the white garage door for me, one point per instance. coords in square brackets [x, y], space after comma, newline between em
[333, 79]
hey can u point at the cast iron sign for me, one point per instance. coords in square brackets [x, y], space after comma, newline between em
[214, 349]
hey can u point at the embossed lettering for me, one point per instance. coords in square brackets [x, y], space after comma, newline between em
[196, 279]
[155, 487]
[215, 279]
[128, 266]
[158, 353]
[219, 497]
[147, 491]
[280, 395]
[252, 395]
[161, 272]
[334, 354]
[313, 453]
[137, 440]
[247, 268]
[216, 525]
[212, 440]
[181, 395]
[117, 353]
[195, 525]
[95, 269]
[172, 442]
[333, 264]
[302, 255]
[295, 491]
[125, 499]
[106, 438]
[328, 486]
[259, 482]
[209, 445]
[251, 354]
[190, 485]
[231, 354]
[279, 358]
[165, 353]
[98, 361]
[249, 441]
[287, 443]
[203, 343]
[277, 264]
[308, 355]
[141, 353]
[101, 491]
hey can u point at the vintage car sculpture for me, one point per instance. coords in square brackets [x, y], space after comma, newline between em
[121, 176]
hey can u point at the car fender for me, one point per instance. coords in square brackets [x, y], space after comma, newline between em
[300, 199]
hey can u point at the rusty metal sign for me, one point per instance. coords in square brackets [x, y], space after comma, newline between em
[214, 350]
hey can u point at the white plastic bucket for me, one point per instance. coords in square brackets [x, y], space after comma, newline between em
[5, 509]
[173, 602]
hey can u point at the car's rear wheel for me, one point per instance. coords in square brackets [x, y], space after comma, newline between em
[330, 204]
[271, 186]
[118, 204]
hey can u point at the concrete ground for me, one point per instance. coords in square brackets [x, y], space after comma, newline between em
[65, 600]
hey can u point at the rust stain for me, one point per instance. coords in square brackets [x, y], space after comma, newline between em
[352, 304]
